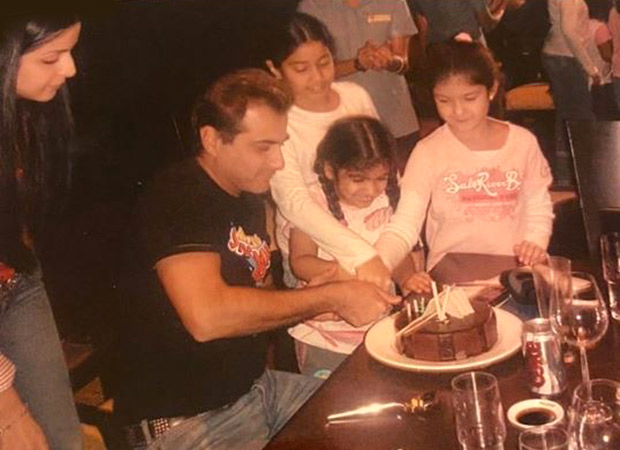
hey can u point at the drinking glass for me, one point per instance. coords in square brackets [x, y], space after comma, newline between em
[581, 318]
[549, 276]
[478, 411]
[594, 416]
[544, 438]
[610, 259]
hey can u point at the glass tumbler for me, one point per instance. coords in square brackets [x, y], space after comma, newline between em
[544, 438]
[478, 411]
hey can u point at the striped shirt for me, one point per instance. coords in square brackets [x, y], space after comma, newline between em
[7, 373]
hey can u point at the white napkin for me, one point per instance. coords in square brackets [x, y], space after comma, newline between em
[451, 301]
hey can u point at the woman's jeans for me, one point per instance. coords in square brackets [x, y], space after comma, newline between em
[28, 337]
[573, 101]
[569, 87]
[616, 84]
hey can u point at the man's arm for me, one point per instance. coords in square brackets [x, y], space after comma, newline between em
[210, 309]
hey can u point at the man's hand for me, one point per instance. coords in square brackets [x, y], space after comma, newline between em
[383, 56]
[419, 282]
[372, 57]
[374, 271]
[360, 303]
[19, 430]
[529, 253]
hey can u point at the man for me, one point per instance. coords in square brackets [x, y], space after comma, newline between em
[372, 48]
[194, 351]
[448, 19]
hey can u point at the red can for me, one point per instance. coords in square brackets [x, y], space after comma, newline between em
[542, 352]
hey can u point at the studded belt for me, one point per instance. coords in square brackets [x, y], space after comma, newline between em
[146, 431]
[8, 278]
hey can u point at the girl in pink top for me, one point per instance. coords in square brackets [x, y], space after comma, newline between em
[482, 184]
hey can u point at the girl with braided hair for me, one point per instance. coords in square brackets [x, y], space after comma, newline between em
[358, 185]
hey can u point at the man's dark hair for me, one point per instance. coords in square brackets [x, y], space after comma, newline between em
[224, 104]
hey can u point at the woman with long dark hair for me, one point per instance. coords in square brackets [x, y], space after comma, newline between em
[35, 130]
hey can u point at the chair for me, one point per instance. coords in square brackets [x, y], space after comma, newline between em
[595, 147]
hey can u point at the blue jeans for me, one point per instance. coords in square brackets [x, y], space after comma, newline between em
[28, 337]
[247, 424]
[616, 83]
[569, 87]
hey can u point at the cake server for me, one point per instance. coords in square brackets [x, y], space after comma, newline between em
[418, 404]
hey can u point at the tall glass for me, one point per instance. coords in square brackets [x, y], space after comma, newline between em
[610, 259]
[549, 276]
[478, 411]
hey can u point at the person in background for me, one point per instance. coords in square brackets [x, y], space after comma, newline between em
[614, 28]
[196, 288]
[480, 183]
[35, 132]
[603, 99]
[449, 18]
[302, 58]
[358, 184]
[372, 49]
[566, 58]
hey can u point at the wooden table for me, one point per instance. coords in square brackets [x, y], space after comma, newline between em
[360, 380]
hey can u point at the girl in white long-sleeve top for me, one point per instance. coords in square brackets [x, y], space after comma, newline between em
[304, 61]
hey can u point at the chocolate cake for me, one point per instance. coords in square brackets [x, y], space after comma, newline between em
[452, 339]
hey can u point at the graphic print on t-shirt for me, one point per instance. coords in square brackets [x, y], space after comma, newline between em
[488, 194]
[253, 249]
[378, 218]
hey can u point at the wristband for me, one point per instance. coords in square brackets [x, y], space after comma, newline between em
[358, 65]
[397, 65]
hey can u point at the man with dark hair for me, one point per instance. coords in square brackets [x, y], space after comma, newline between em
[194, 352]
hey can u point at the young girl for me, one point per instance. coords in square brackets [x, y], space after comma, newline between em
[358, 185]
[35, 129]
[304, 61]
[482, 184]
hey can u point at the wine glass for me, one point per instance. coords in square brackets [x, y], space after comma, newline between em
[582, 318]
[594, 417]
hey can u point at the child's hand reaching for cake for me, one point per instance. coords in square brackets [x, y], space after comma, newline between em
[419, 282]
[529, 253]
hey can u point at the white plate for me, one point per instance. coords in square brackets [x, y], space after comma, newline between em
[380, 344]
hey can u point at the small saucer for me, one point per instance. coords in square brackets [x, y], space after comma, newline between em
[535, 405]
